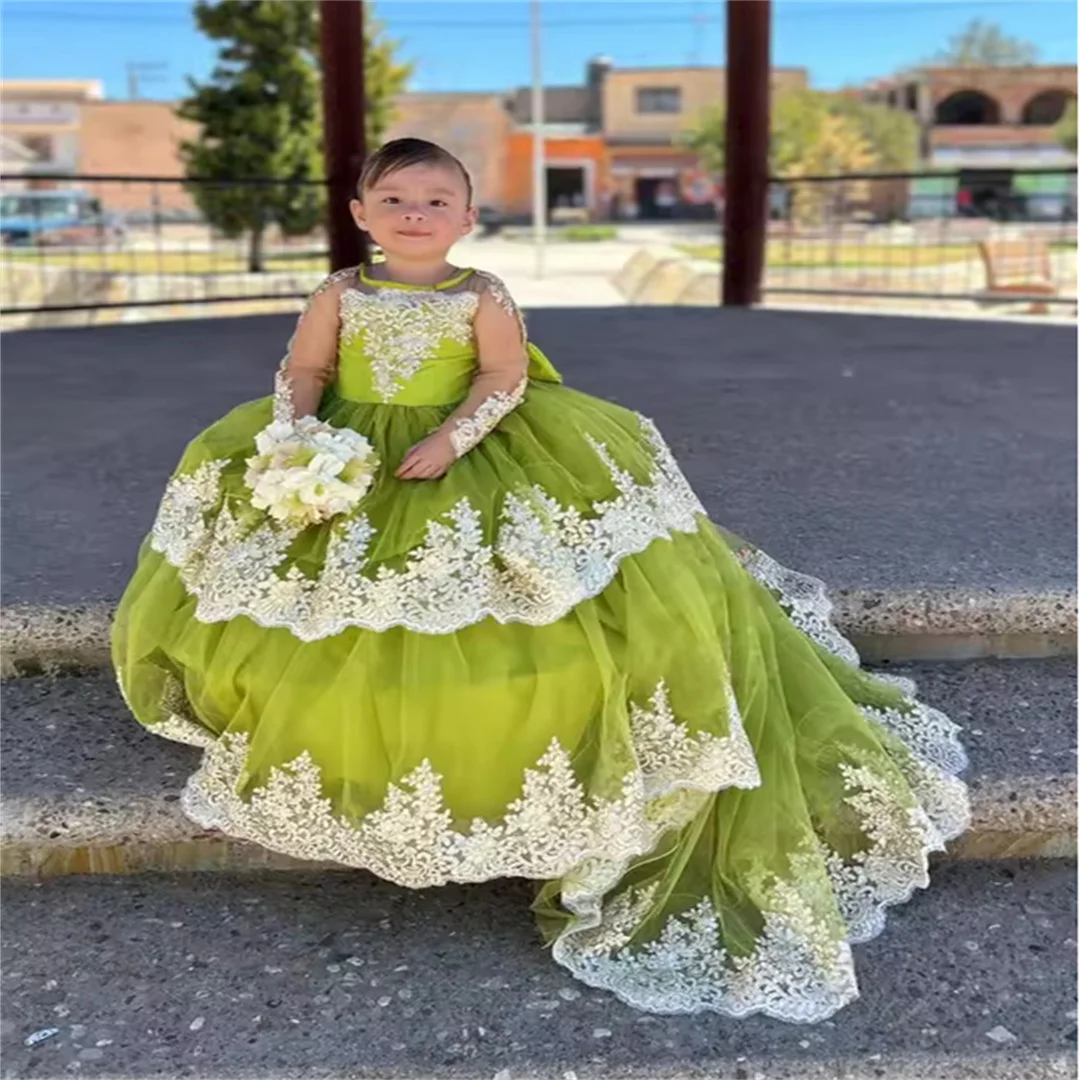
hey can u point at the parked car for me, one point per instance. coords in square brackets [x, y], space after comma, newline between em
[55, 218]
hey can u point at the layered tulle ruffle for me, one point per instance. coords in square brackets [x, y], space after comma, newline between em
[548, 664]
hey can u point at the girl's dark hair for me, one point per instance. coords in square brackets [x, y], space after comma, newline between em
[400, 154]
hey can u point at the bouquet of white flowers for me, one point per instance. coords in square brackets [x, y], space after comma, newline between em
[307, 472]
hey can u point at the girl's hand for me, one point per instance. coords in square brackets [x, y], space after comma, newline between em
[428, 460]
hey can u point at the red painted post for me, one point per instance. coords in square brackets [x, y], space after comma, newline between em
[746, 165]
[342, 45]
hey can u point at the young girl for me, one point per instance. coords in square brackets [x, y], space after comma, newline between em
[524, 651]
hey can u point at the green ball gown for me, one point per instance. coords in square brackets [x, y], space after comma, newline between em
[548, 664]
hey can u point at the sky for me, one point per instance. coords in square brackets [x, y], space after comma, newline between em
[484, 44]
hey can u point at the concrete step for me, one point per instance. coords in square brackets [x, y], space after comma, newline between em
[331, 975]
[886, 625]
[86, 790]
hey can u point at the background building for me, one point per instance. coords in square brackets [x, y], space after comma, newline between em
[577, 166]
[44, 118]
[473, 127]
[613, 144]
[987, 123]
[645, 111]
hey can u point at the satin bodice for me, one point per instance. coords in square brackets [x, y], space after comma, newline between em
[415, 344]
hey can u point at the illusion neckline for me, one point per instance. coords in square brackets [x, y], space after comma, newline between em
[455, 279]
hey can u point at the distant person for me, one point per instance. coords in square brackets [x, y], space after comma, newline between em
[666, 199]
[432, 614]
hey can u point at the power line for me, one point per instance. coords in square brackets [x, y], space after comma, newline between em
[143, 72]
[847, 11]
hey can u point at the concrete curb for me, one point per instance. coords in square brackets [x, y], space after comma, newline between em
[660, 275]
[898, 625]
[1029, 817]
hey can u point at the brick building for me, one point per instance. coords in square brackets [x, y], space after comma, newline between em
[988, 125]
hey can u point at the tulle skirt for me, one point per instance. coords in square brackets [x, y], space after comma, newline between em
[548, 664]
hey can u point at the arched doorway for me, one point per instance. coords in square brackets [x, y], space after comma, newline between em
[968, 107]
[1047, 108]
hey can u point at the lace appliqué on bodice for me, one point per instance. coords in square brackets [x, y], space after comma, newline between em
[402, 329]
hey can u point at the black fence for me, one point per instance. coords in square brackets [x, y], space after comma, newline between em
[95, 243]
[87, 243]
[998, 237]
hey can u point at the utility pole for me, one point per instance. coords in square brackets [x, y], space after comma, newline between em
[139, 73]
[537, 110]
[341, 29]
[746, 171]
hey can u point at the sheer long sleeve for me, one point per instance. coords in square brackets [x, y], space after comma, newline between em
[311, 356]
[501, 378]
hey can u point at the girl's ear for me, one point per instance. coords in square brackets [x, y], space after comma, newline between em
[471, 217]
[356, 208]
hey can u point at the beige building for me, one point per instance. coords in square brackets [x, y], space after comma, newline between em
[44, 117]
[473, 127]
[136, 138]
[655, 105]
[644, 114]
[70, 130]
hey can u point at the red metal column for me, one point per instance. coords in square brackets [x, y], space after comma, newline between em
[746, 172]
[342, 45]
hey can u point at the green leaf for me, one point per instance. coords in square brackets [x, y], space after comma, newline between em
[259, 115]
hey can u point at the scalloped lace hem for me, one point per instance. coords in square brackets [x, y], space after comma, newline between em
[801, 970]
[546, 558]
[414, 840]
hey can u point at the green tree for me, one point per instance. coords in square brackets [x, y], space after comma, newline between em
[1066, 128]
[874, 135]
[259, 117]
[891, 134]
[816, 134]
[985, 44]
[708, 139]
[810, 138]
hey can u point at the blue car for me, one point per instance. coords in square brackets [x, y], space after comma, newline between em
[56, 218]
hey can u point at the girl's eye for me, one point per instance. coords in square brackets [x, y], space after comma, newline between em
[438, 202]
[391, 199]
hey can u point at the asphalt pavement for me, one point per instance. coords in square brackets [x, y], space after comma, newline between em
[875, 452]
[339, 975]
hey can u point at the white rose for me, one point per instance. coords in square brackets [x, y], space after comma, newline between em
[269, 439]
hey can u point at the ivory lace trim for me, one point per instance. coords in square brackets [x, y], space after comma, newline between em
[470, 430]
[546, 558]
[801, 969]
[560, 820]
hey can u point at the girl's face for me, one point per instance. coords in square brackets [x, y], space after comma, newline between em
[418, 212]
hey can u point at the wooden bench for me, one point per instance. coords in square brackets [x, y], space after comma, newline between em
[1018, 268]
